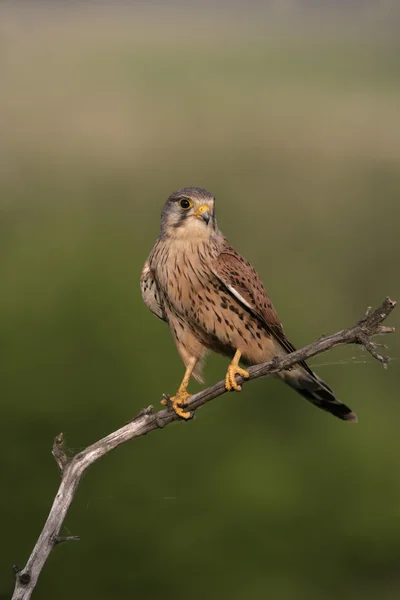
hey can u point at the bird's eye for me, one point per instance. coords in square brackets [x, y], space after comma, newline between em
[185, 204]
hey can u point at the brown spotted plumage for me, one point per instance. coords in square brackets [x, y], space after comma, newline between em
[213, 299]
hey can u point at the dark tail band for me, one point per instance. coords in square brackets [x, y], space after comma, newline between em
[311, 387]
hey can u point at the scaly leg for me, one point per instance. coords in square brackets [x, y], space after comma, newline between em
[182, 394]
[233, 370]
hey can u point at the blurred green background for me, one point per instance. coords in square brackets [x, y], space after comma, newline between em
[291, 117]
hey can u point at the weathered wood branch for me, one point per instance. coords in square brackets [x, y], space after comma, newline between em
[146, 421]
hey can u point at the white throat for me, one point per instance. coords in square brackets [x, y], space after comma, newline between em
[193, 230]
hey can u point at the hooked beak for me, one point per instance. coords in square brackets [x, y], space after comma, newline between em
[203, 212]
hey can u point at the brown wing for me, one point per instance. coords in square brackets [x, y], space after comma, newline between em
[244, 283]
[150, 293]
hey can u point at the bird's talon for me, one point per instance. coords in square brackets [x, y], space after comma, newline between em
[176, 403]
[230, 380]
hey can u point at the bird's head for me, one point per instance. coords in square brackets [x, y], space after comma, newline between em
[189, 213]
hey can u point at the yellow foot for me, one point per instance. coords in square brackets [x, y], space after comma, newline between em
[230, 379]
[176, 403]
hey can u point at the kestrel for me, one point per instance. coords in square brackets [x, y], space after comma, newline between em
[213, 299]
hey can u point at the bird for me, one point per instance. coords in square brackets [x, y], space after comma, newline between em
[214, 300]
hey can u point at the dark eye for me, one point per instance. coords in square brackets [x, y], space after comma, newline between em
[185, 204]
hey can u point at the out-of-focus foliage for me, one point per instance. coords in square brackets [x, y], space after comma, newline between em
[298, 135]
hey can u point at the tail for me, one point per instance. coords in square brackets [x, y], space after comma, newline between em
[309, 385]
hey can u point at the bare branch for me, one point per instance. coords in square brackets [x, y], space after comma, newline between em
[59, 451]
[145, 422]
[69, 538]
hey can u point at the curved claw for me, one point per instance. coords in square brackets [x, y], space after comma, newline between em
[176, 403]
[230, 379]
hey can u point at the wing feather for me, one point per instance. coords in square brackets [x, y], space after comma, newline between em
[150, 292]
[243, 282]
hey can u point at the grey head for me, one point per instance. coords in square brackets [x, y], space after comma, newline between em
[189, 213]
